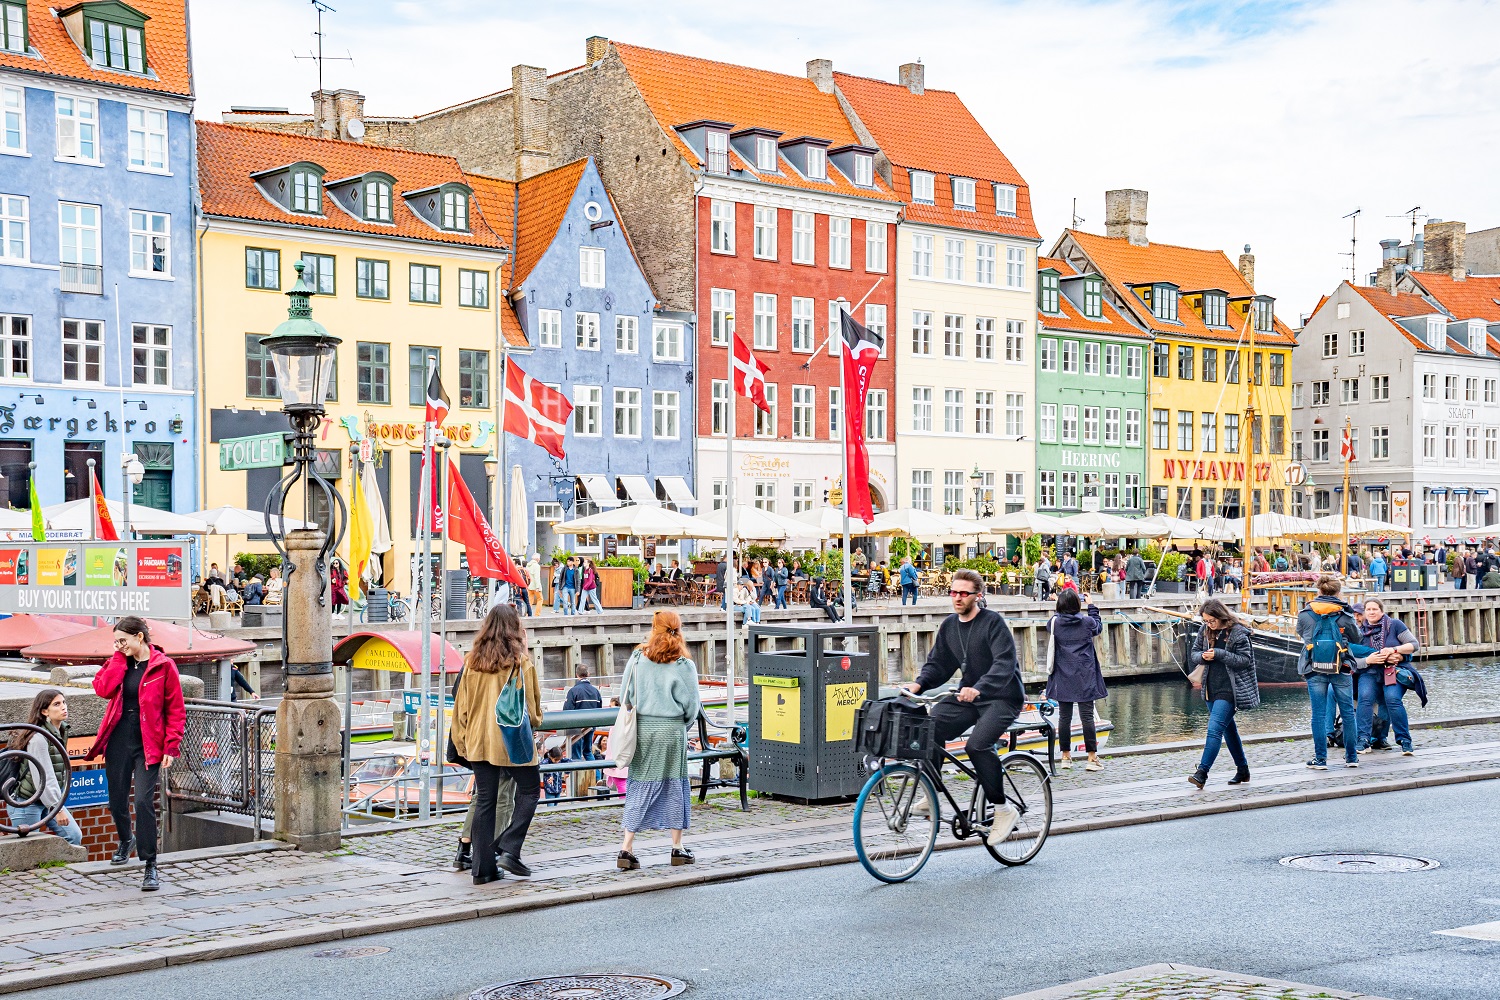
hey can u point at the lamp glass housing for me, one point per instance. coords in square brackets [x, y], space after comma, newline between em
[304, 369]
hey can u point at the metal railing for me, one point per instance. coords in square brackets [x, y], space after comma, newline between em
[85, 278]
[717, 161]
[11, 786]
[228, 759]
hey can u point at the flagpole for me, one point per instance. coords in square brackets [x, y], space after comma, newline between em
[93, 506]
[844, 442]
[442, 685]
[731, 578]
[423, 603]
[501, 483]
[1347, 447]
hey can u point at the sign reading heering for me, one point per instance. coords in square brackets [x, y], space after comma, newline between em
[96, 578]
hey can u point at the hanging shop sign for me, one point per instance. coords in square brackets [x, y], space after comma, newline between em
[96, 578]
[258, 451]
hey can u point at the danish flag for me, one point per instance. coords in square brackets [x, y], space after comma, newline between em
[1346, 447]
[749, 375]
[535, 411]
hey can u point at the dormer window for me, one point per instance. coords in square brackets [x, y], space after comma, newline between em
[1265, 313]
[921, 187]
[1215, 308]
[114, 35]
[765, 153]
[1005, 199]
[864, 170]
[1048, 292]
[307, 191]
[717, 144]
[963, 194]
[817, 163]
[1093, 297]
[456, 211]
[377, 200]
[1477, 331]
[1437, 333]
[13, 25]
[1164, 302]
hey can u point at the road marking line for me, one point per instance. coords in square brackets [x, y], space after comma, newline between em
[1479, 932]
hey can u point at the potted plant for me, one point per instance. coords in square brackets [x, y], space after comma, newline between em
[1168, 574]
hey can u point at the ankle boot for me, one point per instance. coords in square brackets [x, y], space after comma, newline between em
[464, 859]
[1241, 776]
[1199, 777]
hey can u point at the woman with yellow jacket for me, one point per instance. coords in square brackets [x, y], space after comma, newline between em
[496, 710]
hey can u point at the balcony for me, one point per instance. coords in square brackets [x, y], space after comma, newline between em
[87, 279]
[718, 162]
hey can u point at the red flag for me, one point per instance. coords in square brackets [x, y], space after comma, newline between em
[434, 487]
[437, 400]
[749, 375]
[861, 350]
[104, 526]
[1346, 447]
[535, 411]
[468, 527]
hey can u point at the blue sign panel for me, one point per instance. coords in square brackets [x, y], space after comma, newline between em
[412, 700]
[88, 788]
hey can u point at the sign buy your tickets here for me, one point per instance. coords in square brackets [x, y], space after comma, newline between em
[96, 578]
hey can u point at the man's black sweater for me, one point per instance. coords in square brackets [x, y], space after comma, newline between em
[990, 666]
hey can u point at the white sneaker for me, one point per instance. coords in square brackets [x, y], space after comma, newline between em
[921, 807]
[1093, 765]
[1065, 764]
[1002, 825]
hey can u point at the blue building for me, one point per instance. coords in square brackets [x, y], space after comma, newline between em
[98, 354]
[596, 332]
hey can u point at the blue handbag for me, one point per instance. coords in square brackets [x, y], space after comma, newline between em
[514, 721]
[1406, 677]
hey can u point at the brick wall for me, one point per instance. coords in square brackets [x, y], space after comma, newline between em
[97, 826]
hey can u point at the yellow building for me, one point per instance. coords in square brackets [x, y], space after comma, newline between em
[1207, 365]
[406, 261]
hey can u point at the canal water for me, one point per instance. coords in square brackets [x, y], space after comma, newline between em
[1163, 709]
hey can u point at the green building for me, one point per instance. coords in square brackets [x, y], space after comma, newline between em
[1091, 387]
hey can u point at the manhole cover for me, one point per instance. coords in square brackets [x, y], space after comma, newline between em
[611, 987]
[1359, 864]
[367, 951]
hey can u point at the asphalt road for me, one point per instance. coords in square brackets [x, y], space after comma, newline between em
[1207, 892]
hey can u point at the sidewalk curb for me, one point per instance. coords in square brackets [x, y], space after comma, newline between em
[1147, 749]
[277, 940]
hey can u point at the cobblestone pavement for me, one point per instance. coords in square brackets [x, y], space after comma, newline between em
[80, 917]
[1186, 982]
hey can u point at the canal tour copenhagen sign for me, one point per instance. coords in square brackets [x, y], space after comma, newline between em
[95, 578]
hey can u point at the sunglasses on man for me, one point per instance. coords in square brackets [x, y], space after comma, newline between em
[962, 593]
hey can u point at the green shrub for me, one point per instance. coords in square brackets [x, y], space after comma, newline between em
[258, 563]
[903, 546]
[1170, 563]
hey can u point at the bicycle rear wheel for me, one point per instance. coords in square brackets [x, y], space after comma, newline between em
[896, 819]
[1028, 788]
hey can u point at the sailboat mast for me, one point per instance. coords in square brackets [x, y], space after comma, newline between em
[1348, 456]
[1248, 437]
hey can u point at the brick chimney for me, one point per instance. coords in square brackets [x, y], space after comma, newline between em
[820, 72]
[1125, 215]
[595, 48]
[528, 85]
[1247, 266]
[333, 110]
[1443, 249]
[911, 76]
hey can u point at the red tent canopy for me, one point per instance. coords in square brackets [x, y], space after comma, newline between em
[98, 645]
[19, 631]
[408, 644]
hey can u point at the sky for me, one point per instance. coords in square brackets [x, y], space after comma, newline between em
[1249, 123]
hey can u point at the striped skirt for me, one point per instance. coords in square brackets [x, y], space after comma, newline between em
[657, 793]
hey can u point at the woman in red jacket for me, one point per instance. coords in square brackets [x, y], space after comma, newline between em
[141, 733]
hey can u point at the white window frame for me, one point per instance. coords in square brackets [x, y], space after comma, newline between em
[765, 321]
[921, 409]
[984, 262]
[15, 349]
[804, 237]
[718, 413]
[15, 228]
[1067, 423]
[627, 334]
[721, 316]
[666, 341]
[765, 232]
[1015, 415]
[954, 251]
[803, 498]
[922, 190]
[151, 348]
[591, 267]
[817, 163]
[77, 131]
[549, 328]
[875, 246]
[146, 140]
[1111, 360]
[963, 194]
[82, 248]
[921, 489]
[721, 226]
[1132, 428]
[1112, 425]
[804, 410]
[766, 421]
[586, 331]
[864, 170]
[88, 343]
[1046, 424]
[984, 338]
[802, 324]
[1069, 357]
[1046, 354]
[921, 333]
[666, 410]
[1091, 357]
[588, 411]
[13, 120]
[953, 335]
[1046, 489]
[834, 413]
[1015, 267]
[1005, 199]
[1134, 362]
[984, 412]
[765, 153]
[953, 411]
[921, 255]
[627, 412]
[840, 242]
[145, 238]
[875, 323]
[875, 415]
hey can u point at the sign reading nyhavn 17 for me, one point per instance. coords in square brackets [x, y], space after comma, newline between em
[259, 451]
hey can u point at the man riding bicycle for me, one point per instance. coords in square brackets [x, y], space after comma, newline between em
[977, 644]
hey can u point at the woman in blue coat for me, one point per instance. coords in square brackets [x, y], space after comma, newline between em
[1076, 677]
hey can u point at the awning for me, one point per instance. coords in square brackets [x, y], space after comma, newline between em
[677, 490]
[1460, 491]
[638, 488]
[1375, 489]
[1481, 493]
[600, 491]
[1438, 490]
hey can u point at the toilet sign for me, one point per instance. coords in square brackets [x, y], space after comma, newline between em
[259, 451]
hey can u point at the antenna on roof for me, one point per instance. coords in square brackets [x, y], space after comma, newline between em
[1078, 220]
[319, 57]
[1353, 218]
[1412, 213]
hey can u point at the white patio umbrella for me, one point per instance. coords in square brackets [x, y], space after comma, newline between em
[1332, 527]
[1025, 522]
[1483, 531]
[830, 519]
[1214, 529]
[1272, 525]
[1176, 527]
[77, 515]
[751, 524]
[639, 519]
[229, 520]
[1097, 524]
[15, 520]
[963, 526]
[920, 524]
[517, 511]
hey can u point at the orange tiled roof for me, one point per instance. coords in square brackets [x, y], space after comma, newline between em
[496, 200]
[1400, 304]
[680, 89]
[544, 201]
[229, 154]
[1471, 298]
[934, 131]
[1073, 320]
[1124, 264]
[168, 71]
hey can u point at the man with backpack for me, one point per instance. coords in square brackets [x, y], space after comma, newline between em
[1332, 649]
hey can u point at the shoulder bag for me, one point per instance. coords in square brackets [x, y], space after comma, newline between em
[450, 752]
[514, 720]
[622, 736]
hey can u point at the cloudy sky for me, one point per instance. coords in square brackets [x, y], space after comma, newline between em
[1260, 123]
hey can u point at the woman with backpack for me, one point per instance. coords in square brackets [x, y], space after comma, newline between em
[1224, 661]
[1331, 645]
[1076, 677]
[1393, 644]
[49, 711]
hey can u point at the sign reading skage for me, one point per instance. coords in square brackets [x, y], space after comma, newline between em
[95, 578]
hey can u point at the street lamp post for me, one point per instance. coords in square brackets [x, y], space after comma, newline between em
[491, 472]
[309, 743]
[132, 472]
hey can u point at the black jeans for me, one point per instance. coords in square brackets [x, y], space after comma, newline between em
[1135, 588]
[990, 721]
[487, 779]
[125, 759]
[1065, 726]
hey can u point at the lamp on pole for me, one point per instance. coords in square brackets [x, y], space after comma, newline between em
[308, 729]
[131, 474]
[976, 479]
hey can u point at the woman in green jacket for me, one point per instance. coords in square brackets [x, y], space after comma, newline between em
[49, 711]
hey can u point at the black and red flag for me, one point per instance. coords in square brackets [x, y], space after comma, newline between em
[862, 349]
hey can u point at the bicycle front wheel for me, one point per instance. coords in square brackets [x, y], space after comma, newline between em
[896, 819]
[1028, 790]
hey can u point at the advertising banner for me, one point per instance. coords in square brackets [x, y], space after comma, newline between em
[94, 578]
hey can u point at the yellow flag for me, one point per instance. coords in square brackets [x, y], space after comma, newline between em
[361, 531]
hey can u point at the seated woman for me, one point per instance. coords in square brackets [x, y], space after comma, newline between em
[747, 599]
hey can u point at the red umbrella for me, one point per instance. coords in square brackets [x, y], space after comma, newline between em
[19, 631]
[98, 645]
[398, 649]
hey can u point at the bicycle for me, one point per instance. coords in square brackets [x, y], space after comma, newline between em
[897, 815]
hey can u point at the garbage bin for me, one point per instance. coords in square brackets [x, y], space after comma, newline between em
[1428, 577]
[1403, 574]
[804, 690]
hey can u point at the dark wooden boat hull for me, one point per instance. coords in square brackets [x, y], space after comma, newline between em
[1276, 655]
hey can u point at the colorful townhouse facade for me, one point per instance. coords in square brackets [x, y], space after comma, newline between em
[1216, 348]
[1091, 391]
[594, 330]
[406, 267]
[964, 335]
[98, 359]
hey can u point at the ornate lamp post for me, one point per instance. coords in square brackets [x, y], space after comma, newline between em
[308, 733]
